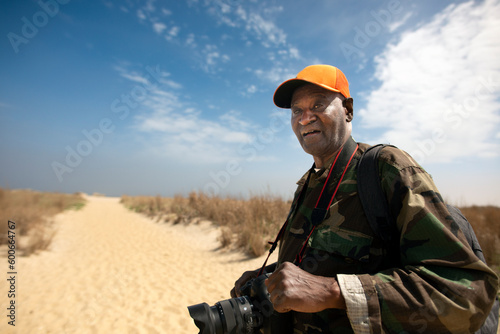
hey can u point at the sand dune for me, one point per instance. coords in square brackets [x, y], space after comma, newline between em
[110, 270]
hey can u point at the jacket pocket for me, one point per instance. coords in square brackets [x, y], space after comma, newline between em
[353, 246]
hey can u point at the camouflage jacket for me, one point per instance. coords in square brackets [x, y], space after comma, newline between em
[438, 286]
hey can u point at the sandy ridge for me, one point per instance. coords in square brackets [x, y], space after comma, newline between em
[110, 270]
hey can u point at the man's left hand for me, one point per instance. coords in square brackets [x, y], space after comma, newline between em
[292, 288]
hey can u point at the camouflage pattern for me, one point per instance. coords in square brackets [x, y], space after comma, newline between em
[440, 286]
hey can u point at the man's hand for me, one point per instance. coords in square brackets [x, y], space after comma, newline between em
[247, 275]
[292, 288]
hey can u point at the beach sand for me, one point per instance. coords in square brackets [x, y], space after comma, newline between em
[110, 270]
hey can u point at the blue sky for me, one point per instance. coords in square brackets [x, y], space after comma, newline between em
[168, 97]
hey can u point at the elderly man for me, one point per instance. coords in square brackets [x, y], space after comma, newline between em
[338, 276]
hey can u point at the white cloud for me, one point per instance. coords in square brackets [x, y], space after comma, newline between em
[440, 85]
[131, 75]
[149, 7]
[211, 57]
[177, 128]
[222, 12]
[174, 31]
[294, 53]
[256, 21]
[190, 41]
[233, 118]
[161, 77]
[291, 53]
[253, 23]
[251, 89]
[241, 13]
[150, 14]
[141, 15]
[265, 30]
[211, 54]
[395, 25]
[184, 133]
[158, 27]
[277, 74]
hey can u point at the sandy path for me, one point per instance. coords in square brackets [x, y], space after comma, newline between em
[110, 270]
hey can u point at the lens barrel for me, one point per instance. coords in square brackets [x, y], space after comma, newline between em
[203, 318]
[227, 316]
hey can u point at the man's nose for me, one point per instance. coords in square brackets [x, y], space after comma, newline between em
[307, 117]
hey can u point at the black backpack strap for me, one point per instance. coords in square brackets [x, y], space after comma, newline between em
[373, 199]
[466, 228]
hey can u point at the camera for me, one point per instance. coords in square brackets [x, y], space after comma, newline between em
[251, 313]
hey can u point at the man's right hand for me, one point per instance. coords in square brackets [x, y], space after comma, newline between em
[247, 275]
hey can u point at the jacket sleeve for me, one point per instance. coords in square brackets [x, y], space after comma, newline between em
[440, 286]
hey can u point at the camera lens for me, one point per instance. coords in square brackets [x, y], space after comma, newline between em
[203, 318]
[227, 316]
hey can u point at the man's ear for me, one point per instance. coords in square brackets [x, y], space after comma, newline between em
[347, 104]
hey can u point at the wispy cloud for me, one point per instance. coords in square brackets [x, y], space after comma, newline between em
[276, 74]
[252, 26]
[147, 11]
[440, 84]
[150, 13]
[257, 27]
[210, 58]
[133, 76]
[183, 132]
[141, 15]
[190, 41]
[159, 27]
[178, 129]
[257, 21]
[125, 71]
[395, 25]
[172, 32]
[263, 29]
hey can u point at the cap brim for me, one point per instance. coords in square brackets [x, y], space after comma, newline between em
[283, 94]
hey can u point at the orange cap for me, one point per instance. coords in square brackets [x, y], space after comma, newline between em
[326, 76]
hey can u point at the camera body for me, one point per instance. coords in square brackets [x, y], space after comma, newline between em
[251, 313]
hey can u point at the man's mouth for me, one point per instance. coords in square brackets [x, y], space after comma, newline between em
[308, 133]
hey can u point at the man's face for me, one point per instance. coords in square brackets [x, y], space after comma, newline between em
[320, 122]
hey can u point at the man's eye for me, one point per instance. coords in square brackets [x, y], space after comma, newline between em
[295, 111]
[317, 106]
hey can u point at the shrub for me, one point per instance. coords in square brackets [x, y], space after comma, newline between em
[31, 211]
[484, 221]
[249, 224]
[246, 224]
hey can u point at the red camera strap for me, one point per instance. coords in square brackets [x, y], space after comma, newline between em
[320, 210]
[324, 200]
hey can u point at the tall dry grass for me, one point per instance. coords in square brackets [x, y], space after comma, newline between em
[485, 221]
[249, 224]
[31, 211]
[245, 224]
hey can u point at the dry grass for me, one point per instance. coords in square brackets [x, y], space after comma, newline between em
[249, 224]
[485, 222]
[245, 224]
[31, 211]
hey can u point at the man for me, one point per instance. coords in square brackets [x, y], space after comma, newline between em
[338, 276]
